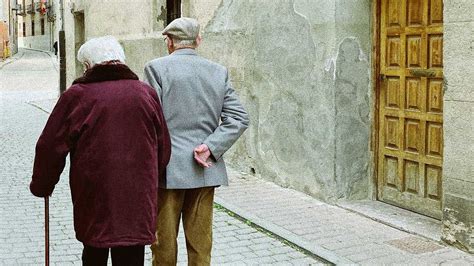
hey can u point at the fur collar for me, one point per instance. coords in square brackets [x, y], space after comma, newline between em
[101, 73]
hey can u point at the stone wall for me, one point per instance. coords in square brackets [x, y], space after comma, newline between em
[135, 24]
[285, 65]
[3, 5]
[458, 167]
[4, 37]
[302, 71]
[8, 16]
[37, 40]
[42, 42]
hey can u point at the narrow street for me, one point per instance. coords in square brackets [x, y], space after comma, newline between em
[28, 91]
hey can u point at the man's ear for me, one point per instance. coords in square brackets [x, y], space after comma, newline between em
[170, 44]
[198, 40]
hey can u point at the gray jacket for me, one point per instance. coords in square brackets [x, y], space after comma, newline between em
[200, 106]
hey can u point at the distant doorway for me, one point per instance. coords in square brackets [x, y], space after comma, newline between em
[173, 10]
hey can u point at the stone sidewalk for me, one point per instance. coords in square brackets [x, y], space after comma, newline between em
[333, 233]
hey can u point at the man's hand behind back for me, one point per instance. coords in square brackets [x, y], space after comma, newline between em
[202, 155]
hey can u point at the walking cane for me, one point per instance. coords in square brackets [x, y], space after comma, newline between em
[46, 229]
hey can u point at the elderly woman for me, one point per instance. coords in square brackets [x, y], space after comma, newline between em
[113, 127]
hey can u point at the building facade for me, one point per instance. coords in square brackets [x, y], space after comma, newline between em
[4, 40]
[134, 23]
[36, 25]
[8, 29]
[362, 99]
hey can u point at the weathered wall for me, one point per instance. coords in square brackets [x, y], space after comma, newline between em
[3, 4]
[4, 34]
[352, 107]
[4, 12]
[69, 28]
[139, 35]
[302, 71]
[11, 20]
[458, 166]
[37, 40]
[41, 42]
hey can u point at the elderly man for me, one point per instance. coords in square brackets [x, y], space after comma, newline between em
[113, 126]
[205, 118]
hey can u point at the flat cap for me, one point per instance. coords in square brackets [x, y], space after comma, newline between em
[183, 29]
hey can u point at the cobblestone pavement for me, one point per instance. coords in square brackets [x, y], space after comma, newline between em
[333, 233]
[28, 87]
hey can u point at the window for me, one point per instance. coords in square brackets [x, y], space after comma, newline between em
[32, 28]
[42, 26]
[24, 29]
[173, 10]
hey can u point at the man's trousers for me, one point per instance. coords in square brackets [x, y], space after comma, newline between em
[195, 206]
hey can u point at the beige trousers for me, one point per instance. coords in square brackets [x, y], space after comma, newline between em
[195, 206]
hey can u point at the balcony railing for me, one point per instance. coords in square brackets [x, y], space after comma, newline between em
[19, 10]
[36, 7]
[31, 9]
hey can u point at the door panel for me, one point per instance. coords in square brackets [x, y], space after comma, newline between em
[411, 104]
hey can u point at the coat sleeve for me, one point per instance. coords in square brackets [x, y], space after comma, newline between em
[52, 148]
[152, 78]
[234, 121]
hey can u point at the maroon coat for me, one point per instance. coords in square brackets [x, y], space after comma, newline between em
[113, 127]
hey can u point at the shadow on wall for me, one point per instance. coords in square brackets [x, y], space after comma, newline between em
[351, 74]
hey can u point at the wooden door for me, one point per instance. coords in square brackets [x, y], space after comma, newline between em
[410, 137]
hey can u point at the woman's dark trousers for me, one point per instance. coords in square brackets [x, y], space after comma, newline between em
[121, 256]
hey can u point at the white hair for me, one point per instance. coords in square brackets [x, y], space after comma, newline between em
[100, 50]
[177, 43]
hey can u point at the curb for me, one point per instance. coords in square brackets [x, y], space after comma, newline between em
[316, 250]
[392, 225]
[49, 53]
[39, 107]
[37, 50]
[12, 59]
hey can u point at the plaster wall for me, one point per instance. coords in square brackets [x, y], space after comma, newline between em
[302, 71]
[139, 33]
[4, 12]
[7, 15]
[301, 68]
[4, 38]
[3, 3]
[42, 42]
[458, 166]
[38, 40]
[69, 31]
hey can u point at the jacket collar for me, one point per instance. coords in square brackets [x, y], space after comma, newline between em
[100, 73]
[185, 51]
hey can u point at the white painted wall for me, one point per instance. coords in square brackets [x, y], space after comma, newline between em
[458, 167]
[42, 42]
[2, 5]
